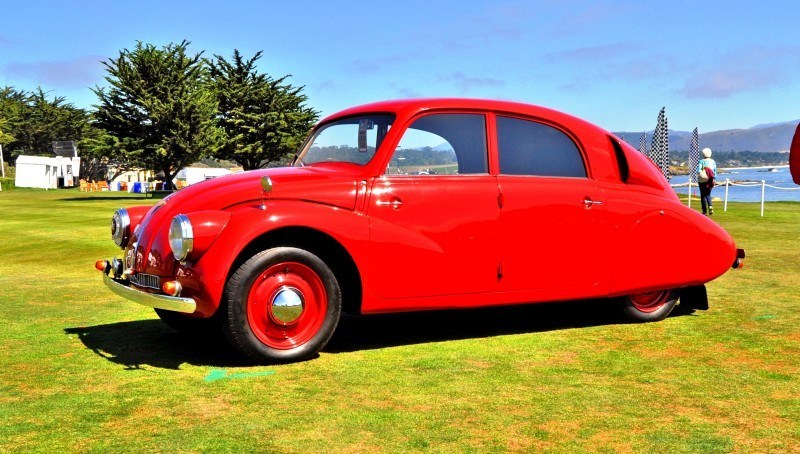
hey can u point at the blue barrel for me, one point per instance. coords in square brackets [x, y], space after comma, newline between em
[137, 187]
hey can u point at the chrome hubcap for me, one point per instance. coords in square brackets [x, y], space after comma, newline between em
[286, 306]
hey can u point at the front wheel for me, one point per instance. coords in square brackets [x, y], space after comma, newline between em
[283, 304]
[650, 306]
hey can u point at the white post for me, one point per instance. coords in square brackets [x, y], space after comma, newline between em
[763, 183]
[2, 167]
[689, 204]
[727, 183]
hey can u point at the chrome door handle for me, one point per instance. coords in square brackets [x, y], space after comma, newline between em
[588, 203]
[394, 203]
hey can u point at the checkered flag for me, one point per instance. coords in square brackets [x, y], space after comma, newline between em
[659, 152]
[643, 143]
[694, 156]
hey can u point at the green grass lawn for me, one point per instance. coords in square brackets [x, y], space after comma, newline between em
[83, 370]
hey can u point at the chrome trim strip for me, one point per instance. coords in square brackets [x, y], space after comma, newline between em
[170, 303]
[146, 280]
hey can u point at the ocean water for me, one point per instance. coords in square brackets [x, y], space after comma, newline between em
[779, 177]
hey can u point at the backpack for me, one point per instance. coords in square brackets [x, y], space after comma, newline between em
[706, 174]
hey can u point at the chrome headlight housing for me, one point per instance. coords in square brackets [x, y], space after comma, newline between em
[181, 237]
[121, 227]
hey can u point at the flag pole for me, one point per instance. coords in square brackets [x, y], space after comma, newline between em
[690, 192]
[694, 159]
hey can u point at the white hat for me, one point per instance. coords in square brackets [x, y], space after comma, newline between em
[707, 152]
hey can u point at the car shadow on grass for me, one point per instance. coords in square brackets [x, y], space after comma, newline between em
[388, 330]
[141, 343]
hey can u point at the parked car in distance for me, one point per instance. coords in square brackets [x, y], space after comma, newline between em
[416, 205]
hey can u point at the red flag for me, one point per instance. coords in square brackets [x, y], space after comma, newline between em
[794, 156]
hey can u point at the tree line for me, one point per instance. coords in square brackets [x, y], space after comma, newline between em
[736, 158]
[164, 108]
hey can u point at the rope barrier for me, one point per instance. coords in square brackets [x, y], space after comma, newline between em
[783, 189]
[744, 184]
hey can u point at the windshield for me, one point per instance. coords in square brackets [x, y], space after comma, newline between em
[353, 140]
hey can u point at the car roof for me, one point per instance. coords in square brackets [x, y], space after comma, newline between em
[412, 107]
[592, 138]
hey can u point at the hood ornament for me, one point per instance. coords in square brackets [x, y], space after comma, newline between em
[266, 189]
[266, 185]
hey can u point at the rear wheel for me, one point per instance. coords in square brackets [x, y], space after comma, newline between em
[650, 306]
[283, 304]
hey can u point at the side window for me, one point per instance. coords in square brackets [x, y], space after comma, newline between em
[442, 144]
[530, 148]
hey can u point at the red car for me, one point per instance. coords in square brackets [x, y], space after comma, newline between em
[416, 205]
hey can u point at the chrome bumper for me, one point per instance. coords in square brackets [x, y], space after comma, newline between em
[170, 303]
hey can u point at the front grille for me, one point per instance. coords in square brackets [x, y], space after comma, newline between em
[146, 280]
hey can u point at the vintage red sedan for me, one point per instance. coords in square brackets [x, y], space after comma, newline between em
[416, 205]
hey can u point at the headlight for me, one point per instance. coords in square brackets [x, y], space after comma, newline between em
[121, 227]
[181, 237]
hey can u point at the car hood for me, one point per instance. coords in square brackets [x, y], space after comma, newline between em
[150, 251]
[313, 184]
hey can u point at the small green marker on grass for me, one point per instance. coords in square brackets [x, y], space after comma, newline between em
[222, 374]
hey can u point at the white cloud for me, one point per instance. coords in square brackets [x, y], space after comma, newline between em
[467, 83]
[753, 68]
[76, 73]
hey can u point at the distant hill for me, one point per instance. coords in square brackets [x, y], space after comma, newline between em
[765, 138]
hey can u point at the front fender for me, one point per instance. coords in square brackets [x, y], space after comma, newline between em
[250, 222]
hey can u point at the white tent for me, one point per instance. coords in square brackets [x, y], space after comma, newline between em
[37, 172]
[194, 175]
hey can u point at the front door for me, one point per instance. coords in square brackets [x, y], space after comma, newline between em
[434, 215]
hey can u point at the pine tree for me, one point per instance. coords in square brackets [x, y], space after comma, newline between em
[265, 120]
[160, 107]
[30, 122]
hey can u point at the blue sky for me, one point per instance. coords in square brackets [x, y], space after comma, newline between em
[713, 64]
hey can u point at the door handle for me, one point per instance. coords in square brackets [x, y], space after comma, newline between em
[394, 203]
[588, 203]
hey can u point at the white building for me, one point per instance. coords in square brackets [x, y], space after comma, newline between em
[132, 176]
[44, 172]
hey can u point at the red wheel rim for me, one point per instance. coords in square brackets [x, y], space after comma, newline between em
[297, 281]
[649, 301]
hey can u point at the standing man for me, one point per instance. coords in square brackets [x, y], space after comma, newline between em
[706, 171]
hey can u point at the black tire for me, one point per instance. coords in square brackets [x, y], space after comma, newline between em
[187, 324]
[282, 305]
[649, 307]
